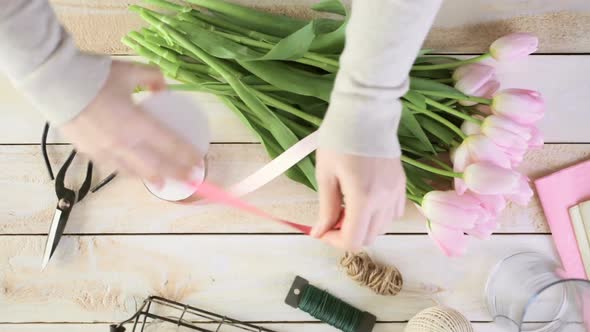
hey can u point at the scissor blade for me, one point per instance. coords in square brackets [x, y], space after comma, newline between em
[51, 243]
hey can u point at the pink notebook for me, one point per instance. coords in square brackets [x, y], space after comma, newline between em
[558, 192]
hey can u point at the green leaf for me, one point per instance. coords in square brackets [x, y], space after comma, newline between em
[417, 176]
[421, 84]
[439, 73]
[330, 42]
[413, 143]
[276, 25]
[409, 121]
[294, 46]
[438, 130]
[330, 6]
[290, 79]
[416, 99]
[424, 51]
[271, 146]
[434, 59]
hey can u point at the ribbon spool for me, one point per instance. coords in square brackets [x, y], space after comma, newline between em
[180, 115]
[439, 319]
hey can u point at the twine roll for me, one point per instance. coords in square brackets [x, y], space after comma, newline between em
[439, 319]
[381, 279]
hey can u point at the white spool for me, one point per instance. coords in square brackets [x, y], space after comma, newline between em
[178, 113]
[439, 319]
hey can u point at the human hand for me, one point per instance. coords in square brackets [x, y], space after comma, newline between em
[114, 130]
[373, 190]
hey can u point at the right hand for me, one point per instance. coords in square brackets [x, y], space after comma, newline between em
[114, 130]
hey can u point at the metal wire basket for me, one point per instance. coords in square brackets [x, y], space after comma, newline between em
[174, 316]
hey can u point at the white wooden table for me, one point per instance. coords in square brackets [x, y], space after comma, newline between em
[123, 244]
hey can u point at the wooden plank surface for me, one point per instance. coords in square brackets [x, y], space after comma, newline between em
[461, 26]
[124, 206]
[559, 78]
[380, 327]
[100, 278]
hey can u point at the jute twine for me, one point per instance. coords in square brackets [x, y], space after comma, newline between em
[382, 279]
[439, 319]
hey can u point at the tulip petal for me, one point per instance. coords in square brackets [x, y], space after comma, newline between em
[470, 128]
[489, 179]
[523, 106]
[514, 46]
[460, 160]
[506, 134]
[523, 194]
[452, 242]
[536, 141]
[474, 79]
[452, 210]
[465, 70]
[494, 204]
[481, 148]
[483, 231]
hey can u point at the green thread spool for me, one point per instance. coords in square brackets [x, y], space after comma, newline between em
[328, 308]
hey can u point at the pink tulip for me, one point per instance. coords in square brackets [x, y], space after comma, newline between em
[472, 77]
[452, 242]
[494, 204]
[511, 137]
[483, 231]
[487, 90]
[485, 178]
[536, 141]
[470, 128]
[523, 193]
[519, 105]
[453, 211]
[473, 70]
[474, 149]
[514, 46]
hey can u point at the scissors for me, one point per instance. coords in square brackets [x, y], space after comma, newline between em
[66, 197]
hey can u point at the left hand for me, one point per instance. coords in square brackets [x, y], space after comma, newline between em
[373, 190]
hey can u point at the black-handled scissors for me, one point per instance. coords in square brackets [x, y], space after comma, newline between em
[66, 197]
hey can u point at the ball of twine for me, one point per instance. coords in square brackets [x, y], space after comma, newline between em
[381, 279]
[439, 319]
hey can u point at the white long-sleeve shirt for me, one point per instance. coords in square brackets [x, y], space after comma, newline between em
[383, 38]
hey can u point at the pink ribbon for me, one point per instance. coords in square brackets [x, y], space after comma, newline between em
[270, 171]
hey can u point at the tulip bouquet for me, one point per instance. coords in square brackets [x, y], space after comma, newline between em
[276, 73]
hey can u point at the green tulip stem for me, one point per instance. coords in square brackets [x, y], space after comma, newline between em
[450, 65]
[452, 111]
[429, 168]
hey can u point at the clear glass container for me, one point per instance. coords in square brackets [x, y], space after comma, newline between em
[527, 292]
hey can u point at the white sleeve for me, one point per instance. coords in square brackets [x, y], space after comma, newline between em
[383, 38]
[42, 61]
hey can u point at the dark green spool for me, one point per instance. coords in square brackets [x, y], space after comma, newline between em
[330, 309]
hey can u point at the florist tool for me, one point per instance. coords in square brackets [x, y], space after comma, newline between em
[439, 319]
[529, 292]
[180, 317]
[328, 308]
[66, 197]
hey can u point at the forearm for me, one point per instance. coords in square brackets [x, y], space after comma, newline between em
[383, 38]
[41, 59]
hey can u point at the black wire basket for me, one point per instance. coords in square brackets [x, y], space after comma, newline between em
[160, 314]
